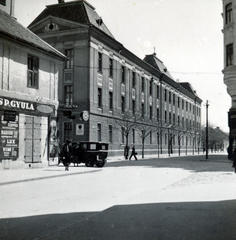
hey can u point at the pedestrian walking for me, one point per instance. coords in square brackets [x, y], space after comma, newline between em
[67, 151]
[133, 153]
[234, 159]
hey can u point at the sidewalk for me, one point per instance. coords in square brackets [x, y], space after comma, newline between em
[32, 174]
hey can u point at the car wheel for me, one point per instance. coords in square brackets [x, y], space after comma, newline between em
[89, 162]
[100, 164]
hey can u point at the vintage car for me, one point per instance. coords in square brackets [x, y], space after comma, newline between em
[89, 153]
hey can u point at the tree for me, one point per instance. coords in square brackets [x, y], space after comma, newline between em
[127, 123]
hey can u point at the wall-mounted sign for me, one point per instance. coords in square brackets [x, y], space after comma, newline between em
[9, 115]
[9, 137]
[79, 129]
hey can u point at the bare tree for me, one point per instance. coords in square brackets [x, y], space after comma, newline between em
[127, 123]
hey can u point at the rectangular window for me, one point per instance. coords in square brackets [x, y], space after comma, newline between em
[3, 2]
[150, 137]
[110, 100]
[173, 99]
[99, 97]
[229, 55]
[133, 79]
[100, 62]
[182, 122]
[150, 89]
[133, 107]
[178, 102]
[158, 92]
[122, 104]
[111, 67]
[122, 135]
[150, 112]
[165, 117]
[173, 118]
[157, 114]
[110, 133]
[133, 135]
[99, 132]
[182, 104]
[142, 84]
[165, 95]
[228, 13]
[69, 95]
[142, 110]
[123, 74]
[67, 131]
[186, 106]
[33, 72]
[169, 97]
[69, 63]
[169, 117]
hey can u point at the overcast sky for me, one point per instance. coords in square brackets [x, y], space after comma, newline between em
[186, 35]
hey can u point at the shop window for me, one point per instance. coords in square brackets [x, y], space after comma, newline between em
[229, 55]
[33, 72]
[69, 95]
[228, 13]
[158, 92]
[70, 61]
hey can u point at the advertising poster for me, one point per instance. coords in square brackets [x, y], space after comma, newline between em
[9, 135]
[53, 138]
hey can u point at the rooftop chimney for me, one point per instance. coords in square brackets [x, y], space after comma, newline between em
[61, 1]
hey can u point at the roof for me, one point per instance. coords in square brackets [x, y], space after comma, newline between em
[13, 29]
[157, 63]
[188, 86]
[77, 11]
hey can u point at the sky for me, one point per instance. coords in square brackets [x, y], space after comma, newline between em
[185, 34]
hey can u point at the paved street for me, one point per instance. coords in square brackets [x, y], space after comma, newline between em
[185, 197]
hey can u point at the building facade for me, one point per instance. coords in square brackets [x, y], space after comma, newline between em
[229, 71]
[109, 94]
[29, 70]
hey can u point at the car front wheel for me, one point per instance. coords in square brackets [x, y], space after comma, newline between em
[89, 162]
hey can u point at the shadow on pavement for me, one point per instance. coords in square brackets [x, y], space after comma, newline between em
[178, 221]
[196, 163]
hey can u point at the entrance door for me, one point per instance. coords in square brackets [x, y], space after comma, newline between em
[33, 133]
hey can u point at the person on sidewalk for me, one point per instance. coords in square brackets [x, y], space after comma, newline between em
[234, 159]
[67, 154]
[133, 153]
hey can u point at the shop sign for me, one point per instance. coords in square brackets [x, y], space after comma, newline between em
[16, 104]
[9, 137]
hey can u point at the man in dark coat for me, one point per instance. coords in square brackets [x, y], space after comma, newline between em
[66, 153]
[133, 153]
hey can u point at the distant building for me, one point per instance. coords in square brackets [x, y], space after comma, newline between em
[120, 91]
[28, 94]
[229, 31]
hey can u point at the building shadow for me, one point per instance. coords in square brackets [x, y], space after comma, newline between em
[177, 221]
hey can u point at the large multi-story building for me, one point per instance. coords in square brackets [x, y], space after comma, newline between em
[229, 32]
[129, 100]
[28, 93]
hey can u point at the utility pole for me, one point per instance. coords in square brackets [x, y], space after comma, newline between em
[207, 105]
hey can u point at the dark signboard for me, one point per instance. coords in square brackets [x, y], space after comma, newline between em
[9, 115]
[9, 135]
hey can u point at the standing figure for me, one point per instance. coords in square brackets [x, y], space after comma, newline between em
[234, 159]
[67, 155]
[133, 153]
